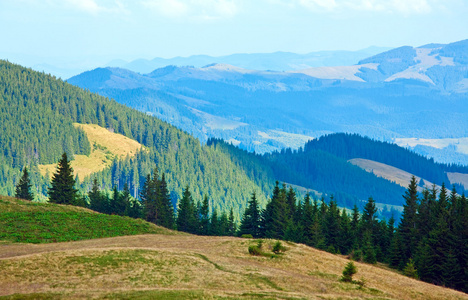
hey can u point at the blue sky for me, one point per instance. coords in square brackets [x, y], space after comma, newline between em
[97, 31]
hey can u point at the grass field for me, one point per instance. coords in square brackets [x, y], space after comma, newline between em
[105, 146]
[31, 222]
[181, 266]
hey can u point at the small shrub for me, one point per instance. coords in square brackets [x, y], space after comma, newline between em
[348, 272]
[356, 255]
[331, 249]
[254, 250]
[361, 283]
[247, 236]
[278, 248]
[410, 270]
[259, 244]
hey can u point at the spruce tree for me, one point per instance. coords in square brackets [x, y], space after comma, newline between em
[204, 217]
[166, 208]
[250, 223]
[185, 214]
[407, 228]
[97, 200]
[23, 188]
[62, 190]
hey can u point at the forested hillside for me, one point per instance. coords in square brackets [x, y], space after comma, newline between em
[316, 170]
[350, 146]
[38, 112]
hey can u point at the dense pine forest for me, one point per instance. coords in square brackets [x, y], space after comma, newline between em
[45, 108]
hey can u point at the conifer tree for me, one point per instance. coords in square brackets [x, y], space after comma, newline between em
[204, 217]
[407, 228]
[232, 226]
[166, 208]
[97, 201]
[250, 223]
[23, 188]
[186, 213]
[62, 190]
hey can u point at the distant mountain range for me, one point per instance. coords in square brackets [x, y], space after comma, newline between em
[278, 61]
[403, 93]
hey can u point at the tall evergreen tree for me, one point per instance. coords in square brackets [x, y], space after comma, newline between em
[97, 200]
[62, 190]
[186, 213]
[407, 228]
[23, 188]
[250, 223]
[166, 208]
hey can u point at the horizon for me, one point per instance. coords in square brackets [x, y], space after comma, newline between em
[81, 34]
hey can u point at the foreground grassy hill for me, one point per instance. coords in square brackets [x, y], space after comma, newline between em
[31, 222]
[165, 265]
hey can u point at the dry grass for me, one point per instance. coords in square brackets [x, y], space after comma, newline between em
[388, 172]
[193, 267]
[105, 146]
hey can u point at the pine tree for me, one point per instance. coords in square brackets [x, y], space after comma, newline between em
[23, 188]
[204, 217]
[407, 228]
[250, 223]
[166, 208]
[97, 200]
[62, 190]
[232, 226]
[185, 214]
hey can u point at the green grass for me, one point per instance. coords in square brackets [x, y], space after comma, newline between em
[32, 222]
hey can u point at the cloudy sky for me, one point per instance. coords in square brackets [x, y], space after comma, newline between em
[102, 30]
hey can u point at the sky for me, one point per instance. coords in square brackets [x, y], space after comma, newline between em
[71, 33]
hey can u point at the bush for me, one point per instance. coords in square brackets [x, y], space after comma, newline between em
[278, 247]
[356, 255]
[348, 272]
[254, 250]
[410, 270]
[247, 236]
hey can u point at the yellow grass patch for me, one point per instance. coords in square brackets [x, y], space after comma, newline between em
[194, 267]
[105, 146]
[388, 172]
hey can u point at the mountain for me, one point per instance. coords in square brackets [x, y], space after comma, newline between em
[389, 96]
[39, 115]
[278, 61]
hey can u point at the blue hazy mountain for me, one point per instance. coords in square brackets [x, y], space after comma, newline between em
[278, 61]
[402, 93]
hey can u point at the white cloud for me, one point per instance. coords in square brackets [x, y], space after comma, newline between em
[94, 8]
[194, 9]
[318, 4]
[405, 7]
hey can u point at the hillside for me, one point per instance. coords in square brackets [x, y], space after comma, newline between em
[105, 147]
[387, 96]
[193, 267]
[31, 222]
[46, 110]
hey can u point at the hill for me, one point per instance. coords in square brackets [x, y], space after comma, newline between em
[31, 222]
[46, 110]
[387, 96]
[193, 267]
[105, 147]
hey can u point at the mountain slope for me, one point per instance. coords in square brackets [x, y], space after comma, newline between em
[46, 108]
[387, 96]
